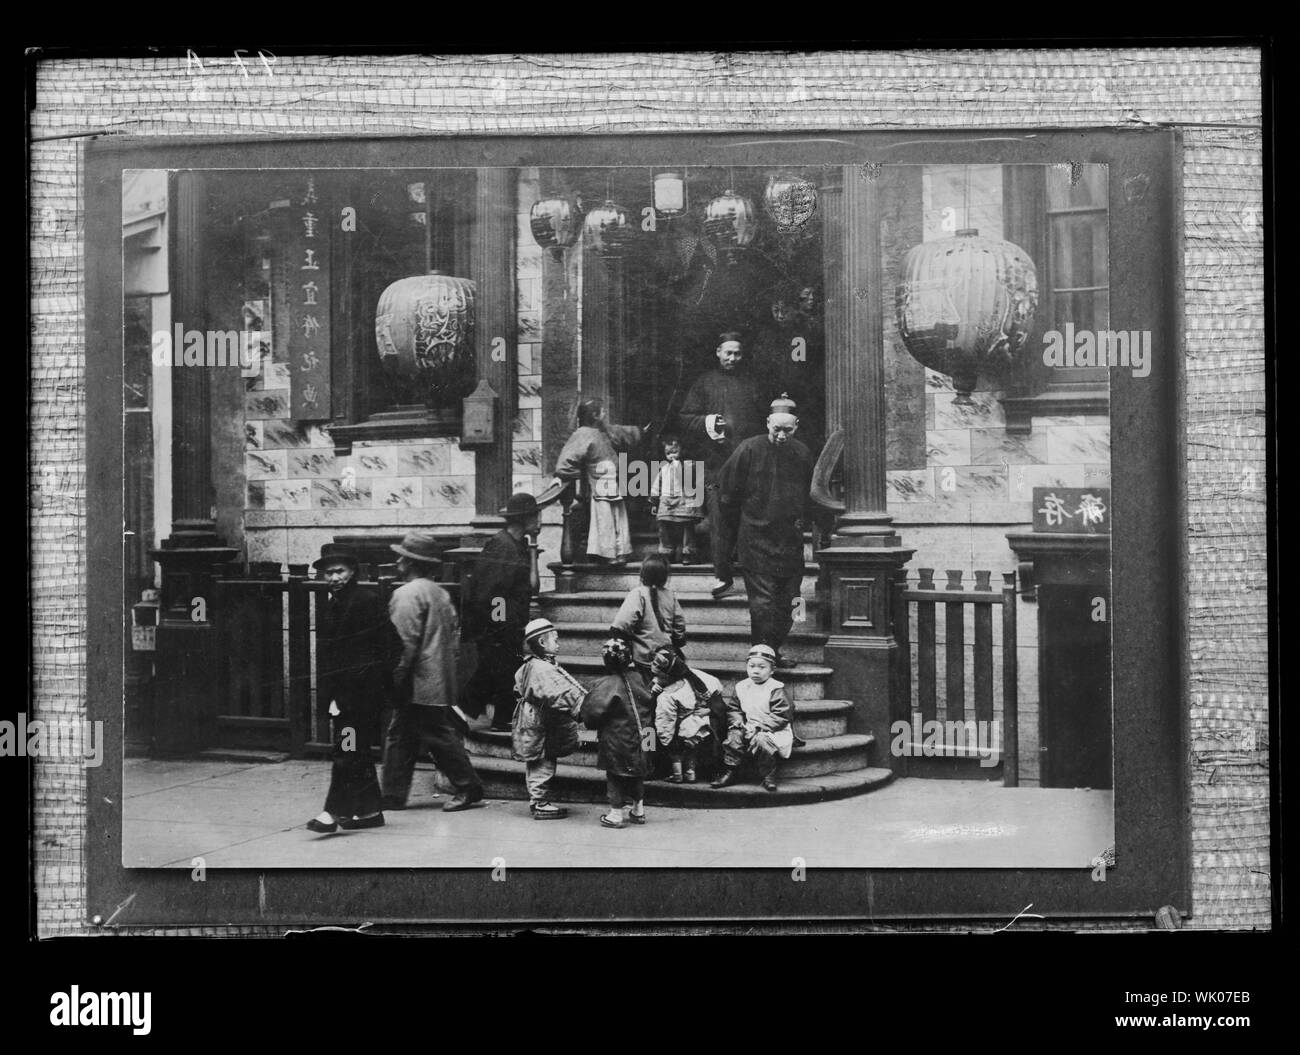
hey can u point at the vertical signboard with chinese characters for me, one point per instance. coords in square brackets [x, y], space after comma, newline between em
[309, 281]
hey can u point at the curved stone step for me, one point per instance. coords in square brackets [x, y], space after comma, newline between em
[703, 643]
[818, 757]
[805, 682]
[504, 779]
[693, 579]
[699, 608]
[818, 719]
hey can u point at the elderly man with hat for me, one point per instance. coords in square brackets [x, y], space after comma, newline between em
[356, 646]
[764, 487]
[424, 682]
[545, 724]
[496, 610]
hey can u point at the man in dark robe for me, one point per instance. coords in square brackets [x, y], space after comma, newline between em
[496, 611]
[356, 648]
[764, 490]
[721, 410]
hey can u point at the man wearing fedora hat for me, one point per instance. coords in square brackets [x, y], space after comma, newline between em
[496, 610]
[356, 646]
[424, 682]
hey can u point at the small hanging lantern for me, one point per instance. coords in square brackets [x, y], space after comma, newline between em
[669, 194]
[964, 306]
[608, 229]
[556, 224]
[790, 202]
[730, 223]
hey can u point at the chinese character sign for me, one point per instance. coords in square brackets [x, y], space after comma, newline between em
[1072, 510]
[309, 285]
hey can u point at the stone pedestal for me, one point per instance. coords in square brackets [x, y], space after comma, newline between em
[185, 663]
[861, 646]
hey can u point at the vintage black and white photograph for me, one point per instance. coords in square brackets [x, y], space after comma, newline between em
[688, 488]
[723, 515]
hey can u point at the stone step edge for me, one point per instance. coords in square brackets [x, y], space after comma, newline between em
[810, 637]
[735, 598]
[818, 745]
[803, 672]
[504, 778]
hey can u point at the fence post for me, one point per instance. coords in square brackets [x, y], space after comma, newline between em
[1010, 692]
[299, 702]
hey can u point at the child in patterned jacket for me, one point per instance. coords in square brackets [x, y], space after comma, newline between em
[684, 700]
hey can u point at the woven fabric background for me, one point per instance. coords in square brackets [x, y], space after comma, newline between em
[1214, 93]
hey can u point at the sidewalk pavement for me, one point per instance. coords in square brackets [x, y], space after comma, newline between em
[241, 815]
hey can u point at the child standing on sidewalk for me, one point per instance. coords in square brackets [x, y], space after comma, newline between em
[759, 719]
[619, 707]
[545, 726]
[683, 702]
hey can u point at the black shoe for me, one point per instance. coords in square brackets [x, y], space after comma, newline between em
[729, 777]
[320, 827]
[377, 821]
[786, 664]
[545, 811]
[390, 803]
[463, 801]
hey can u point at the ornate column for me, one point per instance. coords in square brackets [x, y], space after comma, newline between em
[186, 703]
[865, 556]
[492, 267]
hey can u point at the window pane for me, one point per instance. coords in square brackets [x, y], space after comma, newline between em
[1081, 187]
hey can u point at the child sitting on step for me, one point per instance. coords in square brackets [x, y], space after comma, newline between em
[684, 701]
[650, 615]
[759, 721]
[619, 708]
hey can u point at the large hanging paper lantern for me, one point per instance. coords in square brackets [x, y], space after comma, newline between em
[556, 224]
[790, 202]
[730, 222]
[423, 327]
[965, 305]
[608, 229]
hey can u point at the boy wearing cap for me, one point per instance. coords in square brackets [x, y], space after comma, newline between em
[424, 682]
[355, 649]
[545, 726]
[759, 719]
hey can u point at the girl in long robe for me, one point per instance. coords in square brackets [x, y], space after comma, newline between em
[592, 453]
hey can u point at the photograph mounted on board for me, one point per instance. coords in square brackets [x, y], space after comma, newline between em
[758, 511]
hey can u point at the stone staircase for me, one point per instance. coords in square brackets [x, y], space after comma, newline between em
[834, 763]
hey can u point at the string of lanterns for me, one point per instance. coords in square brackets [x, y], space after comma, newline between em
[730, 219]
[964, 305]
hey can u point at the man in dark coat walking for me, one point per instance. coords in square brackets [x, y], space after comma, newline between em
[356, 647]
[496, 611]
[764, 489]
[721, 410]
